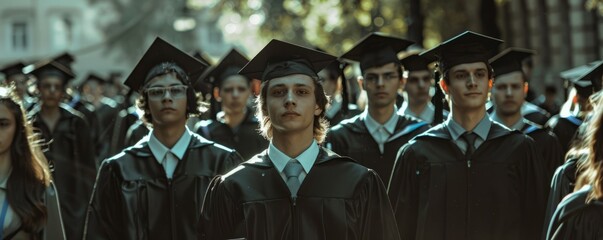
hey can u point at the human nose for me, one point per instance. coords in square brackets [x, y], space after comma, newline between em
[290, 98]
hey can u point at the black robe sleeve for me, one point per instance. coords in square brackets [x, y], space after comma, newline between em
[577, 219]
[562, 184]
[219, 213]
[377, 216]
[104, 220]
[402, 186]
[534, 185]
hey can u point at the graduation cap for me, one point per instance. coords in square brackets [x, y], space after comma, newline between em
[509, 60]
[95, 77]
[278, 59]
[467, 47]
[201, 57]
[51, 68]
[584, 88]
[12, 69]
[594, 75]
[161, 52]
[229, 65]
[66, 59]
[414, 62]
[376, 49]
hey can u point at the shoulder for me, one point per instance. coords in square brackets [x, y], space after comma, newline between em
[71, 112]
[347, 124]
[574, 203]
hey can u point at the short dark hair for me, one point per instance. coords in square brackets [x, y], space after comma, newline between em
[398, 67]
[447, 79]
[321, 125]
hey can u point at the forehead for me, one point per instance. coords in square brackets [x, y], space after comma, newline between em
[292, 80]
[509, 78]
[164, 80]
[389, 67]
[421, 73]
[5, 113]
[51, 80]
[235, 80]
[469, 67]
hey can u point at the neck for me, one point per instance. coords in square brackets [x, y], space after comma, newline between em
[509, 120]
[49, 110]
[234, 119]
[382, 114]
[169, 135]
[5, 164]
[292, 144]
[468, 119]
[417, 107]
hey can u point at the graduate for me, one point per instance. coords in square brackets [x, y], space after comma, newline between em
[154, 189]
[373, 137]
[295, 189]
[508, 94]
[468, 177]
[417, 86]
[13, 74]
[236, 126]
[580, 214]
[67, 141]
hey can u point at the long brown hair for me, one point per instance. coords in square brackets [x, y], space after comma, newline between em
[592, 168]
[30, 175]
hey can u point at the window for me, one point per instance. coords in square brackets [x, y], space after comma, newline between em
[63, 32]
[19, 36]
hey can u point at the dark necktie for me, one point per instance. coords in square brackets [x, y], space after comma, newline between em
[292, 171]
[469, 138]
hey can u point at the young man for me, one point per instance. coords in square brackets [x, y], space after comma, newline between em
[373, 137]
[154, 189]
[70, 149]
[469, 177]
[295, 189]
[418, 83]
[236, 126]
[509, 94]
[13, 74]
[336, 89]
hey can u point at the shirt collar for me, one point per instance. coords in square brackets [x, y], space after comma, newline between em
[517, 126]
[481, 129]
[372, 125]
[159, 150]
[306, 158]
[426, 115]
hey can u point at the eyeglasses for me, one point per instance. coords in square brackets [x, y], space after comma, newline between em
[157, 93]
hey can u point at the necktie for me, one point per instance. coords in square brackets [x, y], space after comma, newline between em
[469, 138]
[168, 164]
[292, 171]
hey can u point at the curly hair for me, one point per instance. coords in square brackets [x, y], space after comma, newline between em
[194, 101]
[321, 125]
[591, 168]
[30, 173]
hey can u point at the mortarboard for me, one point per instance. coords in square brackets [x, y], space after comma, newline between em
[65, 59]
[594, 74]
[51, 68]
[376, 49]
[584, 88]
[160, 52]
[278, 59]
[12, 69]
[510, 60]
[95, 77]
[229, 65]
[414, 62]
[467, 47]
[202, 57]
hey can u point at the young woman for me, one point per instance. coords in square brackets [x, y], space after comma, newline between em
[580, 214]
[29, 205]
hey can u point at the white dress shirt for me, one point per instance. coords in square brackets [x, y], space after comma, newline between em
[169, 158]
[306, 159]
[380, 132]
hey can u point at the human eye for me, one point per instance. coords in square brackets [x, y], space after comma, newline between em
[460, 75]
[371, 78]
[177, 90]
[480, 73]
[303, 91]
[4, 123]
[156, 92]
[277, 92]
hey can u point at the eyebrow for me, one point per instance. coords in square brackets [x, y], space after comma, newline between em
[295, 85]
[173, 84]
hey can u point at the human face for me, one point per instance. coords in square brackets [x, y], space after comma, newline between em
[468, 86]
[51, 90]
[381, 85]
[234, 92]
[328, 84]
[291, 104]
[417, 86]
[7, 129]
[509, 93]
[169, 109]
[20, 81]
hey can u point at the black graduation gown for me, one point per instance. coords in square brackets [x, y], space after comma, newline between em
[562, 184]
[565, 129]
[126, 118]
[137, 131]
[338, 199]
[106, 113]
[575, 219]
[133, 198]
[548, 146]
[340, 115]
[71, 152]
[437, 193]
[352, 138]
[245, 139]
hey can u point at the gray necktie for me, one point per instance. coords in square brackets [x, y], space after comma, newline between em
[292, 171]
[469, 138]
